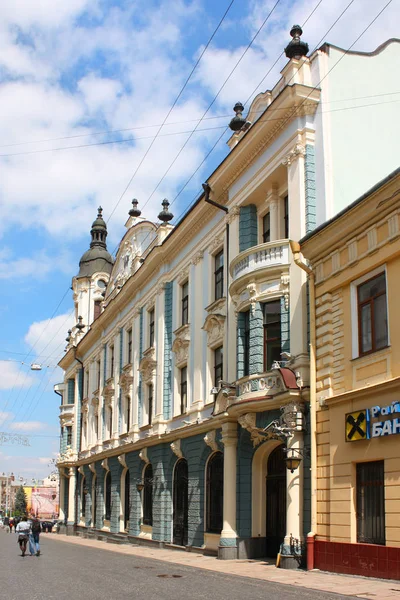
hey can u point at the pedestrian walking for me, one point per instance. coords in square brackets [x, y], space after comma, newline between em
[11, 525]
[23, 531]
[6, 523]
[34, 537]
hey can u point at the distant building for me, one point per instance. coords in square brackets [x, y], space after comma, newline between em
[356, 261]
[186, 388]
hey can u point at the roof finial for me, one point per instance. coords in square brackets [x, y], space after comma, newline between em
[296, 48]
[99, 212]
[135, 212]
[238, 121]
[165, 215]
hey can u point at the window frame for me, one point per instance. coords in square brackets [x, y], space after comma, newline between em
[286, 222]
[369, 501]
[210, 488]
[129, 342]
[267, 339]
[98, 373]
[112, 359]
[183, 390]
[107, 496]
[151, 319]
[218, 367]
[69, 435]
[185, 303]
[266, 233]
[355, 329]
[246, 344]
[150, 402]
[219, 275]
[371, 302]
[147, 495]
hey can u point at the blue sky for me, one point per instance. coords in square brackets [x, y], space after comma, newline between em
[69, 70]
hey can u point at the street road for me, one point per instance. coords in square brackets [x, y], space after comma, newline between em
[69, 572]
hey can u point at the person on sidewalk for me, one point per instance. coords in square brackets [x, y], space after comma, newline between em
[6, 523]
[34, 546]
[23, 531]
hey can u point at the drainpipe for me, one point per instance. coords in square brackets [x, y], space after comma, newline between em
[207, 191]
[298, 259]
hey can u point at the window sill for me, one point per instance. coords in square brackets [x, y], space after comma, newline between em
[367, 354]
[146, 427]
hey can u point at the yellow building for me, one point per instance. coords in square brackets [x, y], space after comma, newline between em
[355, 338]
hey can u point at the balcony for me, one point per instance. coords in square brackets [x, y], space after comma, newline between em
[264, 257]
[67, 411]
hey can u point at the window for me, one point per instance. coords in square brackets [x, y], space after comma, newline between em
[185, 303]
[219, 275]
[246, 343]
[86, 378]
[129, 347]
[286, 216]
[69, 435]
[371, 502]
[218, 365]
[83, 497]
[272, 333]
[112, 361]
[372, 315]
[110, 421]
[96, 425]
[215, 492]
[127, 413]
[150, 402]
[107, 494]
[148, 496]
[267, 227]
[151, 328]
[183, 390]
[97, 309]
[98, 371]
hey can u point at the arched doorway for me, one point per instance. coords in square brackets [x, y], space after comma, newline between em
[180, 502]
[107, 503]
[94, 498]
[215, 493]
[83, 499]
[276, 500]
[127, 502]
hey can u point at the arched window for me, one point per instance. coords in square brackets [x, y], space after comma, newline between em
[94, 500]
[108, 496]
[148, 496]
[215, 492]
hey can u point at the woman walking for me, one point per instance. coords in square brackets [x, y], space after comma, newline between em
[23, 530]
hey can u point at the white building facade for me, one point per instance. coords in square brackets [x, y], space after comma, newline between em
[186, 387]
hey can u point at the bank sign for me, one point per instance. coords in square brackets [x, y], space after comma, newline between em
[373, 422]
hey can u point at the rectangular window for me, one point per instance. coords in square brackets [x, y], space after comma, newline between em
[96, 426]
[127, 414]
[98, 372]
[246, 343]
[151, 328]
[69, 435]
[185, 303]
[272, 333]
[183, 390]
[97, 309]
[372, 315]
[218, 365]
[267, 228]
[371, 502]
[110, 422]
[129, 347]
[286, 216]
[150, 402]
[219, 275]
[86, 386]
[111, 361]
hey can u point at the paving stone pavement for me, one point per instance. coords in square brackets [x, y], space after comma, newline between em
[346, 585]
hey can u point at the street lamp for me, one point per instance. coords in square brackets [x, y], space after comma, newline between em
[293, 458]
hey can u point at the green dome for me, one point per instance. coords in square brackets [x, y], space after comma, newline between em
[97, 259]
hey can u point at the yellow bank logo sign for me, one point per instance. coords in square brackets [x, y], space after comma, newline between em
[373, 422]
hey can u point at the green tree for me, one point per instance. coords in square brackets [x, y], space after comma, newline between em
[20, 502]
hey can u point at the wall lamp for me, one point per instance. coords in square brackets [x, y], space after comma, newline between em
[294, 456]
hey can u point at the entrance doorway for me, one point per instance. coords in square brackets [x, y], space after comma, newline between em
[180, 502]
[276, 501]
[127, 503]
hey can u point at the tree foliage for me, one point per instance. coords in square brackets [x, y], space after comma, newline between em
[20, 502]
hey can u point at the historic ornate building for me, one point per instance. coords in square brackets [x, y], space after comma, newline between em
[186, 389]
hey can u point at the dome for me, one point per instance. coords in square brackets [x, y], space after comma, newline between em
[97, 259]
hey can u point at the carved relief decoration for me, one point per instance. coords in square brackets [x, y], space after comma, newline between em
[126, 380]
[81, 470]
[211, 441]
[197, 257]
[223, 399]
[176, 448]
[143, 456]
[248, 422]
[233, 213]
[122, 460]
[108, 391]
[147, 365]
[214, 325]
[183, 276]
[92, 467]
[216, 243]
[285, 279]
[180, 345]
[104, 464]
[293, 155]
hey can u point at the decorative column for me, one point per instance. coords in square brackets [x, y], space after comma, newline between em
[292, 544]
[62, 514]
[273, 200]
[71, 500]
[228, 542]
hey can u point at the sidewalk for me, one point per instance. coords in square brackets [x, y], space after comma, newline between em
[361, 587]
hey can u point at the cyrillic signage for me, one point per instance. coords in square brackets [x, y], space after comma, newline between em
[373, 422]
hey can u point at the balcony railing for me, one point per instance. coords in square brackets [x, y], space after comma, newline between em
[67, 409]
[264, 256]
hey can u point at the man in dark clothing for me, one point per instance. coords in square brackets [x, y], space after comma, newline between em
[34, 537]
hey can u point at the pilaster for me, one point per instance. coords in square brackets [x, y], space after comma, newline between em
[228, 541]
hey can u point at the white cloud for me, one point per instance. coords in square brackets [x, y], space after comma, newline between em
[14, 375]
[47, 338]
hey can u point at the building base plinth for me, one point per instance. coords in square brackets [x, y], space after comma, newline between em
[227, 552]
[289, 561]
